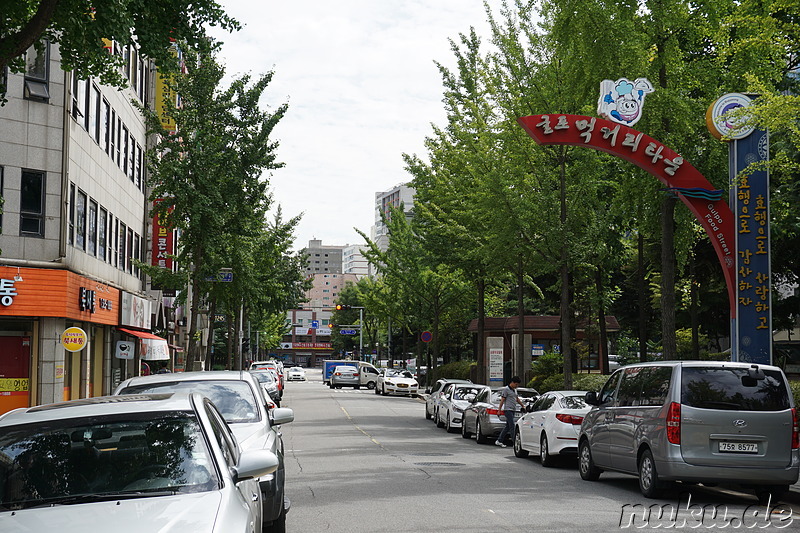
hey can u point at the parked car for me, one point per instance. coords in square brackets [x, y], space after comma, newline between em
[435, 392]
[269, 383]
[694, 421]
[239, 397]
[151, 463]
[296, 374]
[396, 381]
[274, 366]
[345, 376]
[483, 417]
[552, 426]
[455, 399]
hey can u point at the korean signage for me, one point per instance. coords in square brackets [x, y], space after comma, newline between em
[495, 364]
[74, 339]
[163, 240]
[680, 177]
[7, 292]
[316, 345]
[164, 95]
[750, 196]
[135, 311]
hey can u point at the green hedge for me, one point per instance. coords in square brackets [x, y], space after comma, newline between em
[587, 382]
[456, 370]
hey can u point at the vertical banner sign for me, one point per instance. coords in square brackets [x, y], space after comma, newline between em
[164, 94]
[751, 199]
[496, 364]
[163, 240]
[751, 324]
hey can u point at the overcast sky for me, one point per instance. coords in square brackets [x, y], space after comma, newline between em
[362, 88]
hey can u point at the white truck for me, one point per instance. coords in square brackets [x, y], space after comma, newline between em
[367, 372]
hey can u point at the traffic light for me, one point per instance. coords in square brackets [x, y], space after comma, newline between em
[341, 307]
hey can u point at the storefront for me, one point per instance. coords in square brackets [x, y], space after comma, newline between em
[137, 350]
[36, 306]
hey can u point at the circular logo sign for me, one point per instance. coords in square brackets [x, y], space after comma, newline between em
[426, 336]
[73, 339]
[721, 126]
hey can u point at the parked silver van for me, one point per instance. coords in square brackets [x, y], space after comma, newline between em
[694, 421]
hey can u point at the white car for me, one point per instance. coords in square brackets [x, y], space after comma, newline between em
[552, 427]
[435, 392]
[241, 400]
[148, 463]
[296, 374]
[396, 381]
[455, 399]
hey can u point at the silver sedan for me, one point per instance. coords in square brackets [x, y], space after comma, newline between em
[163, 463]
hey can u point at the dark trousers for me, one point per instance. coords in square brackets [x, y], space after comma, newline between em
[509, 429]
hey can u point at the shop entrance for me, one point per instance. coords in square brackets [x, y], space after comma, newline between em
[15, 368]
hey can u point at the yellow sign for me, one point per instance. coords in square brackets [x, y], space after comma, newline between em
[13, 384]
[164, 94]
[73, 339]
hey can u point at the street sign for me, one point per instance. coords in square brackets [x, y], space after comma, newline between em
[537, 350]
[314, 324]
[347, 332]
[223, 275]
[426, 336]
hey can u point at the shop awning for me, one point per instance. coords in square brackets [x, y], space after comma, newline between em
[152, 347]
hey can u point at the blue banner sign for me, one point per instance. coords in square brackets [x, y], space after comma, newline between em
[750, 199]
[347, 332]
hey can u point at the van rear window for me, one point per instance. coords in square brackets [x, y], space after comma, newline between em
[733, 389]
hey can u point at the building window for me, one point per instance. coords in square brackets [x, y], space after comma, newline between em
[136, 249]
[78, 99]
[31, 206]
[121, 236]
[129, 256]
[125, 138]
[92, 237]
[132, 159]
[119, 143]
[139, 163]
[115, 239]
[112, 135]
[105, 117]
[80, 221]
[101, 234]
[37, 71]
[71, 217]
[93, 113]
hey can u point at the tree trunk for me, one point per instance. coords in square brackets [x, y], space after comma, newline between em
[519, 356]
[668, 343]
[212, 310]
[480, 343]
[194, 350]
[229, 344]
[642, 302]
[694, 309]
[566, 322]
[602, 345]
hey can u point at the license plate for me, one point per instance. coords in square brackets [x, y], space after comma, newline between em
[402, 385]
[738, 447]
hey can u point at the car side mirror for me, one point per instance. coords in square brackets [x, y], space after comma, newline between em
[591, 398]
[254, 463]
[282, 415]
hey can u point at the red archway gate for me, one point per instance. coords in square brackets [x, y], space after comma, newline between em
[670, 168]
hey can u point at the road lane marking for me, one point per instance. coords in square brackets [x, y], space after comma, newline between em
[350, 418]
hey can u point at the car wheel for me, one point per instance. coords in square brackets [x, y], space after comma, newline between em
[447, 424]
[377, 390]
[438, 419]
[771, 494]
[330, 385]
[338, 386]
[544, 452]
[649, 483]
[383, 390]
[370, 385]
[464, 433]
[480, 438]
[358, 387]
[278, 525]
[428, 416]
[519, 451]
[586, 467]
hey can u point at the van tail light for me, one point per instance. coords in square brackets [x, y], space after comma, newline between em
[495, 412]
[570, 419]
[355, 375]
[795, 430]
[674, 423]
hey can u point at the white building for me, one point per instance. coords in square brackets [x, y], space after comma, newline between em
[354, 262]
[399, 195]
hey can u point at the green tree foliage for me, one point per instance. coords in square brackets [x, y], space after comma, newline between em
[79, 27]
[210, 174]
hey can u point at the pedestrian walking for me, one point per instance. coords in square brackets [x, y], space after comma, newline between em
[508, 405]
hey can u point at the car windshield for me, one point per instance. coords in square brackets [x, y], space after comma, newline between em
[399, 374]
[573, 402]
[234, 399]
[734, 389]
[264, 377]
[295, 369]
[345, 369]
[78, 460]
[465, 393]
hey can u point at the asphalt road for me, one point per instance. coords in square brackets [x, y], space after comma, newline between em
[359, 462]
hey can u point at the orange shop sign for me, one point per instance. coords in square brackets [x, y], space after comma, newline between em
[51, 292]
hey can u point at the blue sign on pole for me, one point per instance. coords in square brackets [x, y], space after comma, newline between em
[750, 196]
[347, 332]
[315, 324]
